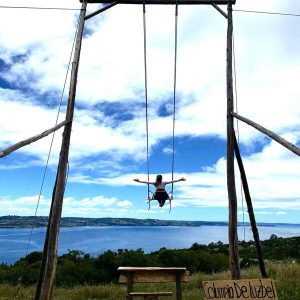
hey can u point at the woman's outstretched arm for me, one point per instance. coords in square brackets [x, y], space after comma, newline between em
[177, 180]
[146, 182]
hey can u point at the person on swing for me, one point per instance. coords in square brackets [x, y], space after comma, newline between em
[160, 194]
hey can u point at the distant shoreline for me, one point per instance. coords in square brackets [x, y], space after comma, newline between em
[30, 221]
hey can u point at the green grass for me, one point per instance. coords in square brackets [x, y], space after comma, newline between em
[286, 276]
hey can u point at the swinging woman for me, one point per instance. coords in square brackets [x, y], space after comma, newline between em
[160, 194]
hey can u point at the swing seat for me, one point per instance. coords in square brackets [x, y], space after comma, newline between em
[161, 197]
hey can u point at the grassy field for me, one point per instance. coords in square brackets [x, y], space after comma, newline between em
[286, 276]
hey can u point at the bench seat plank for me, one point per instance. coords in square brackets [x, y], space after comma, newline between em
[152, 275]
[151, 293]
[142, 269]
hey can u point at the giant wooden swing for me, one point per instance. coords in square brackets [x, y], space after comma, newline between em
[49, 260]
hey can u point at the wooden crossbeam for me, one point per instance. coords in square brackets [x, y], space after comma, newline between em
[180, 2]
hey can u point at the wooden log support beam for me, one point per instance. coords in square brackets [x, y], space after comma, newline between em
[30, 140]
[250, 209]
[49, 260]
[232, 199]
[179, 2]
[269, 133]
[101, 10]
[223, 13]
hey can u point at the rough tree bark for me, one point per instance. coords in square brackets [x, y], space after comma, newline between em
[232, 228]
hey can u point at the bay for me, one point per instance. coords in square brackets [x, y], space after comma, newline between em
[96, 240]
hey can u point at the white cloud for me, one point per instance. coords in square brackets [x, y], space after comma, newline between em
[44, 43]
[264, 212]
[112, 70]
[272, 177]
[36, 54]
[24, 206]
[280, 213]
[86, 207]
[94, 202]
[168, 150]
[125, 203]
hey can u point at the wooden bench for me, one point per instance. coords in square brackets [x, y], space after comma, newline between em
[131, 275]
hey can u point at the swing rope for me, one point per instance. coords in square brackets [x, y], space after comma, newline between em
[174, 98]
[52, 140]
[146, 98]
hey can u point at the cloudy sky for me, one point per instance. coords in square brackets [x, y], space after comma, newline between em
[108, 144]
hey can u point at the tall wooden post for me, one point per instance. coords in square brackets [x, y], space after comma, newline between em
[233, 236]
[49, 261]
[250, 210]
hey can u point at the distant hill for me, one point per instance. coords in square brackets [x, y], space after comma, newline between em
[19, 221]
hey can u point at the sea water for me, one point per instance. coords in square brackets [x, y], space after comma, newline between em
[96, 240]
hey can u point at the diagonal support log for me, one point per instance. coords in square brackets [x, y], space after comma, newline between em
[250, 209]
[270, 133]
[222, 12]
[99, 11]
[30, 140]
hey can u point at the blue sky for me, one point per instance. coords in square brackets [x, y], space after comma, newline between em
[108, 146]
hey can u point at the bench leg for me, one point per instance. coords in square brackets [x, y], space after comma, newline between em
[151, 298]
[178, 287]
[129, 286]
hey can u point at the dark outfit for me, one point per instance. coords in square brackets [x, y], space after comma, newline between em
[161, 196]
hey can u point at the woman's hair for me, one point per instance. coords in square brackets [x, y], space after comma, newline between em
[158, 179]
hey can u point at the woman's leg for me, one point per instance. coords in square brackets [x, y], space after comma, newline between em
[150, 198]
[162, 202]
